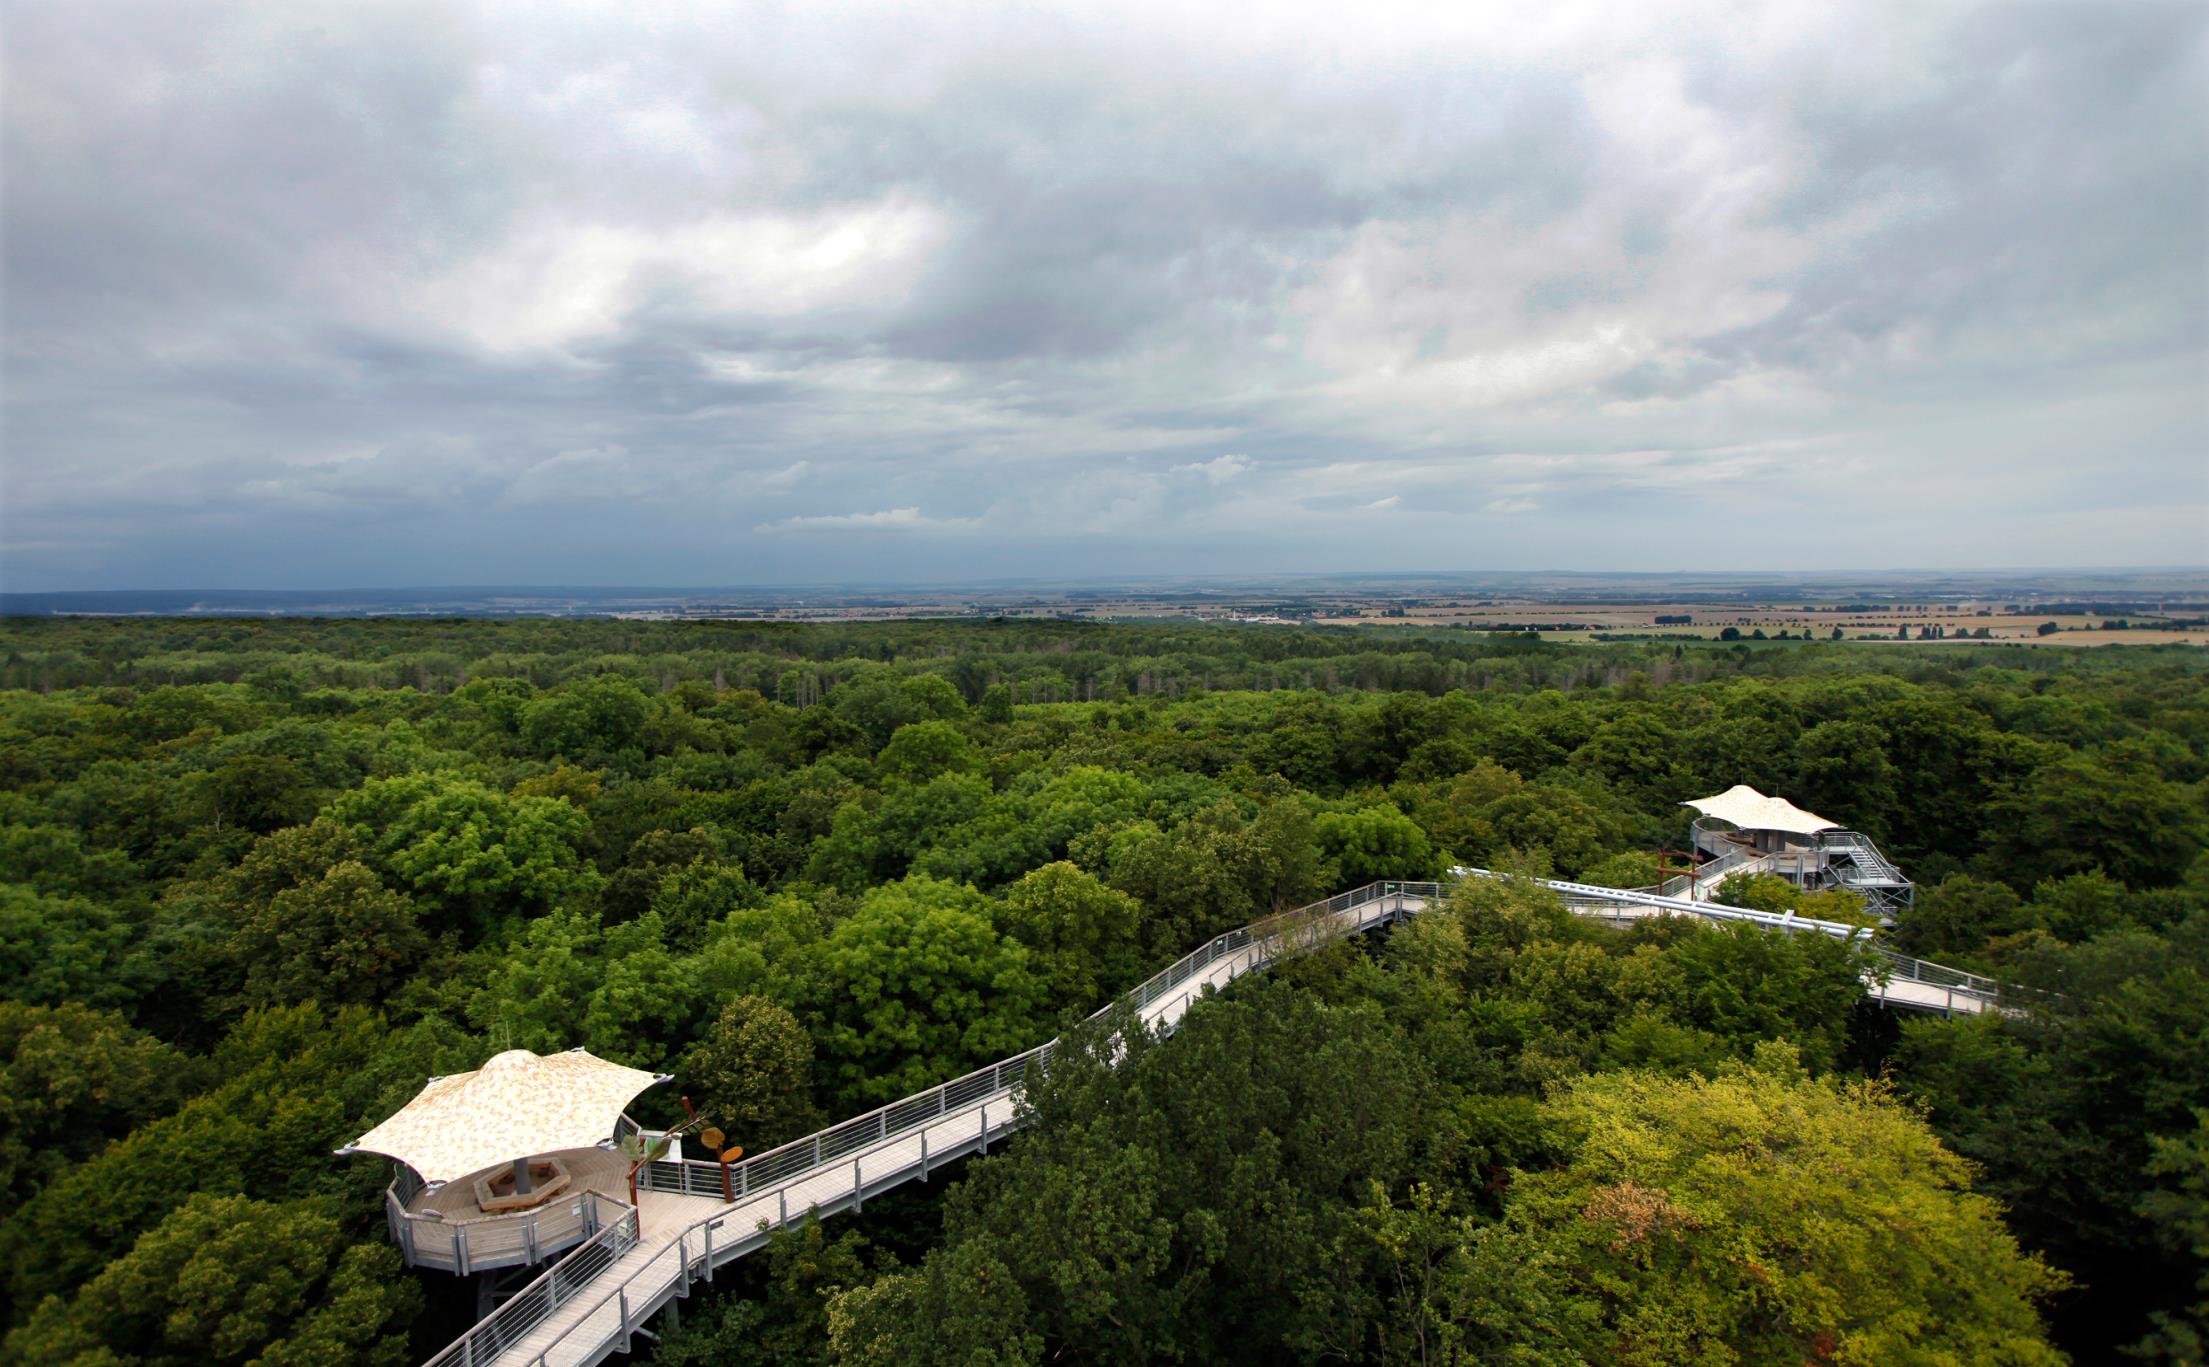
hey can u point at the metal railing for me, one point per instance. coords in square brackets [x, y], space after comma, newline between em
[1262, 942]
[1285, 933]
[471, 1246]
[1861, 852]
[1710, 911]
[1714, 837]
[1687, 885]
[854, 1140]
[1902, 966]
[1891, 964]
[851, 1141]
[406, 1183]
[559, 1284]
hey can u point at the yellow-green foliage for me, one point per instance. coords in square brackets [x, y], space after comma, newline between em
[1758, 1217]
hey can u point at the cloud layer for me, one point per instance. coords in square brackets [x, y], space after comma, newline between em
[386, 294]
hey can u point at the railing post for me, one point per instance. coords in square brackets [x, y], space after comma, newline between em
[782, 1208]
[924, 1155]
[625, 1339]
[985, 1127]
[857, 1195]
[709, 1253]
[816, 1151]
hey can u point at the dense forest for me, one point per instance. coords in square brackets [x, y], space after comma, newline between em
[258, 879]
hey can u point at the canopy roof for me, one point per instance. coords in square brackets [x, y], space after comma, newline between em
[1751, 810]
[518, 1105]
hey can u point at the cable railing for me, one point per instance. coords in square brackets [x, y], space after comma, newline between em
[562, 1282]
[1710, 911]
[1891, 964]
[1900, 965]
[1264, 941]
[1694, 885]
[773, 1173]
[1285, 933]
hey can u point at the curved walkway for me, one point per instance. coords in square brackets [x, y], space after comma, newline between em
[594, 1302]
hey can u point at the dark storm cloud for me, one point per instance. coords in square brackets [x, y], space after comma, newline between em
[379, 293]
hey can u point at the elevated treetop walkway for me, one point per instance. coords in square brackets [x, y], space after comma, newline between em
[697, 1217]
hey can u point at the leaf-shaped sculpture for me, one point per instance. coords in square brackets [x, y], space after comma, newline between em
[639, 1151]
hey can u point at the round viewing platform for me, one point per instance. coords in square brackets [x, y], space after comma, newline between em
[448, 1226]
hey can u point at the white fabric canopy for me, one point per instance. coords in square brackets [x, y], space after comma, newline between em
[518, 1105]
[1751, 810]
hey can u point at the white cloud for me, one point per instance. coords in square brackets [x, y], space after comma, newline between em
[1382, 505]
[1218, 470]
[888, 520]
[780, 481]
[556, 283]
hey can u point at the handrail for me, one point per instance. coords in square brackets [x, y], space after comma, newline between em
[844, 1139]
[427, 1239]
[1915, 970]
[528, 1307]
[917, 1110]
[1271, 938]
[1940, 975]
[1789, 921]
[1317, 919]
[1314, 919]
[1284, 932]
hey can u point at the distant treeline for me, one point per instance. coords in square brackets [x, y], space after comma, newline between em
[797, 663]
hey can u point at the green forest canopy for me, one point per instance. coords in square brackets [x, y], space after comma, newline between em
[259, 878]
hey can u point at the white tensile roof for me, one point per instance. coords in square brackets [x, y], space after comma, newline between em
[1751, 810]
[517, 1105]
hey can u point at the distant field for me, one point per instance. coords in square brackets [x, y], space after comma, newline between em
[1584, 621]
[1563, 621]
[2010, 608]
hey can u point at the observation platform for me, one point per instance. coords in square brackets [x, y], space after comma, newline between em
[1741, 831]
[444, 1227]
[511, 1163]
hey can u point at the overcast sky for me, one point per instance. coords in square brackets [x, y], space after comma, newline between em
[381, 294]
